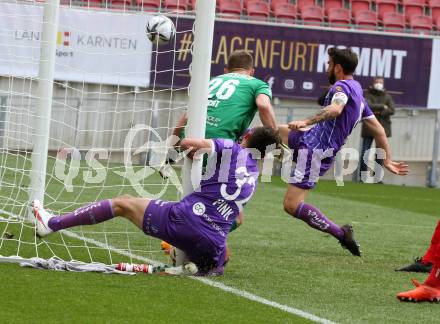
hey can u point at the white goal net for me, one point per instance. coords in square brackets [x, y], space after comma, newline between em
[116, 98]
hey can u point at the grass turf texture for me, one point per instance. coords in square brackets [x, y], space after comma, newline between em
[274, 256]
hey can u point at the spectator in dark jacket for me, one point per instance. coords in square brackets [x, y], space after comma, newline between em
[382, 106]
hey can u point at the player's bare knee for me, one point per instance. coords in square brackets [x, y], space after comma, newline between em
[122, 204]
[290, 207]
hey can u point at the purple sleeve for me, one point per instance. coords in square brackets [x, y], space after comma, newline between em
[218, 145]
[221, 144]
[340, 87]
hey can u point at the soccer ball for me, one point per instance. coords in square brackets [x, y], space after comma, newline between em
[160, 29]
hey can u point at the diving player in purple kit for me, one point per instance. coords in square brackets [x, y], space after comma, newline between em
[201, 221]
[314, 148]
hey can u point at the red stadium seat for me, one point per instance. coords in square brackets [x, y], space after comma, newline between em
[285, 12]
[300, 4]
[435, 9]
[312, 15]
[421, 24]
[276, 3]
[148, 5]
[384, 6]
[121, 3]
[328, 4]
[245, 2]
[393, 21]
[230, 8]
[192, 4]
[258, 10]
[437, 23]
[93, 3]
[175, 5]
[366, 20]
[338, 17]
[360, 5]
[413, 8]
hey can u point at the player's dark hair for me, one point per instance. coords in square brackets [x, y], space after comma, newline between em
[240, 59]
[345, 58]
[264, 139]
[378, 79]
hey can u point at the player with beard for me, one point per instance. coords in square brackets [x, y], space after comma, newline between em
[314, 149]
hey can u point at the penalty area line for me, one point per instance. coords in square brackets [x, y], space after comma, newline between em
[204, 280]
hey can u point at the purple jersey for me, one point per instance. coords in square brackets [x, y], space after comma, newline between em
[333, 133]
[228, 183]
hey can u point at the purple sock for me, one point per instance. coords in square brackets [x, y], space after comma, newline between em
[94, 213]
[313, 216]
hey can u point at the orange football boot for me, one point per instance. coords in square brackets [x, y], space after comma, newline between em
[421, 293]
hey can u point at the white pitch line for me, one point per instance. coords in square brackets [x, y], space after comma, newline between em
[261, 300]
[206, 281]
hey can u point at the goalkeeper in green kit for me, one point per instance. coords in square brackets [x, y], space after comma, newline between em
[234, 98]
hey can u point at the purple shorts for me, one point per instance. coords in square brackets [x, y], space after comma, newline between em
[309, 167]
[167, 221]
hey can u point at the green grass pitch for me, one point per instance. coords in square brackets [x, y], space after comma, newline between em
[273, 256]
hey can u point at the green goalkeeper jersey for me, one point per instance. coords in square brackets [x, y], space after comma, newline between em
[231, 105]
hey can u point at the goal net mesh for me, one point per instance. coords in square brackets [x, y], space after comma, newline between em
[115, 103]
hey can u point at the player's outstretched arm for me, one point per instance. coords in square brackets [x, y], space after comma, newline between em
[330, 112]
[195, 147]
[265, 110]
[380, 137]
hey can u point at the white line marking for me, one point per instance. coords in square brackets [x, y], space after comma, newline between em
[219, 285]
[261, 300]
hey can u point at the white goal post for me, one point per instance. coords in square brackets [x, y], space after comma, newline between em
[67, 142]
[44, 94]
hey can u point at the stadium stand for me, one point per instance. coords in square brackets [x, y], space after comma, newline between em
[276, 3]
[94, 3]
[421, 24]
[413, 8]
[258, 10]
[339, 17]
[148, 5]
[285, 12]
[437, 23]
[393, 21]
[360, 5]
[366, 20]
[329, 4]
[174, 5]
[192, 4]
[385, 6]
[121, 3]
[312, 15]
[243, 2]
[230, 8]
[419, 16]
[301, 4]
[434, 5]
